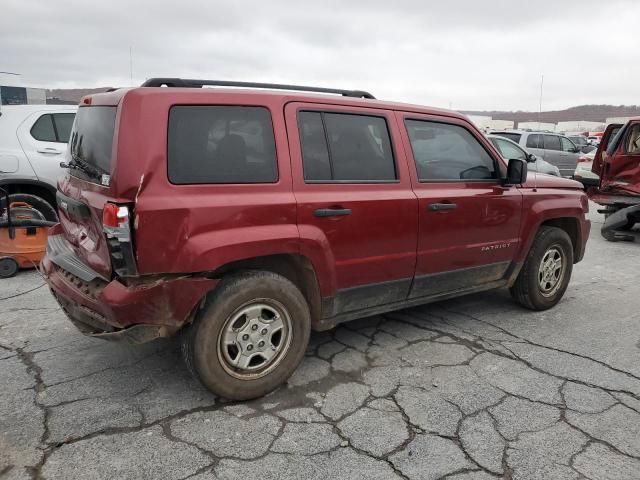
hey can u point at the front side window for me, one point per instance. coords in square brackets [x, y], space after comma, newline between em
[220, 144]
[552, 142]
[339, 147]
[448, 152]
[508, 150]
[567, 145]
[579, 140]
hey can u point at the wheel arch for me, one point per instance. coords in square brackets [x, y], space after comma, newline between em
[32, 187]
[298, 269]
[571, 226]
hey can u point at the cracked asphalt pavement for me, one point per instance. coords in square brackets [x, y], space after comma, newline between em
[469, 389]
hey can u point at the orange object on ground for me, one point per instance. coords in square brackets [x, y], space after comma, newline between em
[28, 246]
[23, 237]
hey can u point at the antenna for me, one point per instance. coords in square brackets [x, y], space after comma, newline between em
[540, 110]
[131, 65]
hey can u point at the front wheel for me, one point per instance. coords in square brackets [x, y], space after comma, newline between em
[250, 336]
[547, 270]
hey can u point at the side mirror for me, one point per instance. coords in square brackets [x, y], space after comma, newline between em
[577, 150]
[516, 172]
[531, 158]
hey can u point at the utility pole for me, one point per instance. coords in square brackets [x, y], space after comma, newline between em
[540, 109]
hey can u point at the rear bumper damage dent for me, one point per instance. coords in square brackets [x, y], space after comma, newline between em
[134, 313]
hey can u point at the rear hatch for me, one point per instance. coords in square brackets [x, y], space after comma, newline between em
[83, 193]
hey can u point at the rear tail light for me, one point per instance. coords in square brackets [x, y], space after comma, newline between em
[115, 216]
[117, 229]
[583, 158]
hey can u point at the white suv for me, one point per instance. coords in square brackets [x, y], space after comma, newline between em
[32, 141]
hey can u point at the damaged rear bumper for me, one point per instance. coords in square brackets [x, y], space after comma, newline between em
[152, 307]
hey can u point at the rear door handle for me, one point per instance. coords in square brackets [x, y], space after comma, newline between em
[49, 151]
[436, 207]
[332, 212]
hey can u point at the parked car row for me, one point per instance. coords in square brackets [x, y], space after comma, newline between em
[553, 148]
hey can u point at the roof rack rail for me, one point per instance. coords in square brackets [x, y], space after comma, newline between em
[190, 83]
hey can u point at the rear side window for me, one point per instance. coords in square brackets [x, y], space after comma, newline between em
[338, 147]
[448, 152]
[53, 127]
[220, 144]
[63, 123]
[552, 142]
[535, 141]
[43, 129]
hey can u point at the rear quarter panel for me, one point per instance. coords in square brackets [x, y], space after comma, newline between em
[197, 228]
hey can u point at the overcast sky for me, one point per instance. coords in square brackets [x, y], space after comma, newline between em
[468, 54]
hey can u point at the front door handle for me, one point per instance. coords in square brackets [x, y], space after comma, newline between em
[332, 212]
[49, 151]
[436, 207]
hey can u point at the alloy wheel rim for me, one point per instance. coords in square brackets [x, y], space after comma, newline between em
[551, 271]
[254, 339]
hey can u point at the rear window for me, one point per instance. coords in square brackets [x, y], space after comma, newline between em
[91, 141]
[220, 144]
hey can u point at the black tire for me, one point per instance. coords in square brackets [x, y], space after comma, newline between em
[8, 267]
[527, 289]
[47, 211]
[624, 228]
[201, 341]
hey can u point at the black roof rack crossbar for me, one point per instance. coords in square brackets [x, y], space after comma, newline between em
[190, 83]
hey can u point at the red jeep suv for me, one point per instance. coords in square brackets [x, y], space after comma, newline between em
[245, 217]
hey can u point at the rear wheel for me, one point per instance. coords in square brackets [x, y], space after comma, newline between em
[46, 210]
[547, 270]
[8, 267]
[249, 337]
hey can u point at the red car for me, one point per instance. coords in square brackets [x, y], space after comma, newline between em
[617, 163]
[244, 218]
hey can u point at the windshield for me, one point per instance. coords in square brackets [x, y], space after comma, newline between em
[91, 142]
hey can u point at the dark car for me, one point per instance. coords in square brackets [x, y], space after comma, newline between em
[244, 218]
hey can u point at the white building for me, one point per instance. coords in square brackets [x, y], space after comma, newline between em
[487, 123]
[12, 92]
[579, 126]
[480, 121]
[542, 126]
[611, 120]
